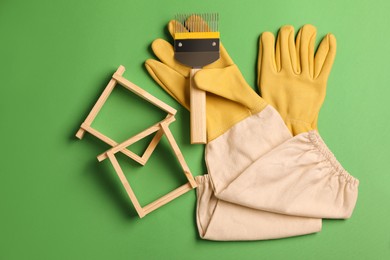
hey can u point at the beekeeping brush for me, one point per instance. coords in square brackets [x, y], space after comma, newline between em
[196, 44]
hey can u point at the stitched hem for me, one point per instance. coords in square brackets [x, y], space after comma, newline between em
[317, 141]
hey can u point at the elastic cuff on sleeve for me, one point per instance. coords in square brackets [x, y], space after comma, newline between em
[317, 141]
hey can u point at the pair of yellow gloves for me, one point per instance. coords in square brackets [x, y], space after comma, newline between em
[270, 175]
[291, 78]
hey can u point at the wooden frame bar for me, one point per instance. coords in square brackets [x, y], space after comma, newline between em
[99, 104]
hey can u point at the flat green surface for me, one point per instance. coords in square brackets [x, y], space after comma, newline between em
[58, 202]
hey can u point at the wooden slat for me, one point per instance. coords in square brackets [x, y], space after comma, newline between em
[100, 102]
[197, 112]
[143, 94]
[126, 185]
[178, 154]
[167, 198]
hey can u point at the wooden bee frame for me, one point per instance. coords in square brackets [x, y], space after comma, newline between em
[161, 128]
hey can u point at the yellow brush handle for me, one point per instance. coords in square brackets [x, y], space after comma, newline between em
[198, 112]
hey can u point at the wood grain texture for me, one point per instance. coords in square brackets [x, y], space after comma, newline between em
[198, 112]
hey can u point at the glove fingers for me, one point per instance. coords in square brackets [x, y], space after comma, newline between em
[266, 59]
[175, 26]
[195, 23]
[325, 56]
[165, 53]
[305, 48]
[170, 80]
[285, 49]
[228, 83]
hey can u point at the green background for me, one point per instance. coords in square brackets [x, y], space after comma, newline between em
[58, 202]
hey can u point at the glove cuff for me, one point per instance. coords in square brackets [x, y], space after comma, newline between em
[229, 122]
[298, 126]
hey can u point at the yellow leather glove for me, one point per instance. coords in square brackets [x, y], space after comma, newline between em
[229, 99]
[291, 78]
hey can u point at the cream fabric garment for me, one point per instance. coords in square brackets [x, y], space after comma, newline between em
[221, 220]
[258, 164]
[224, 221]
